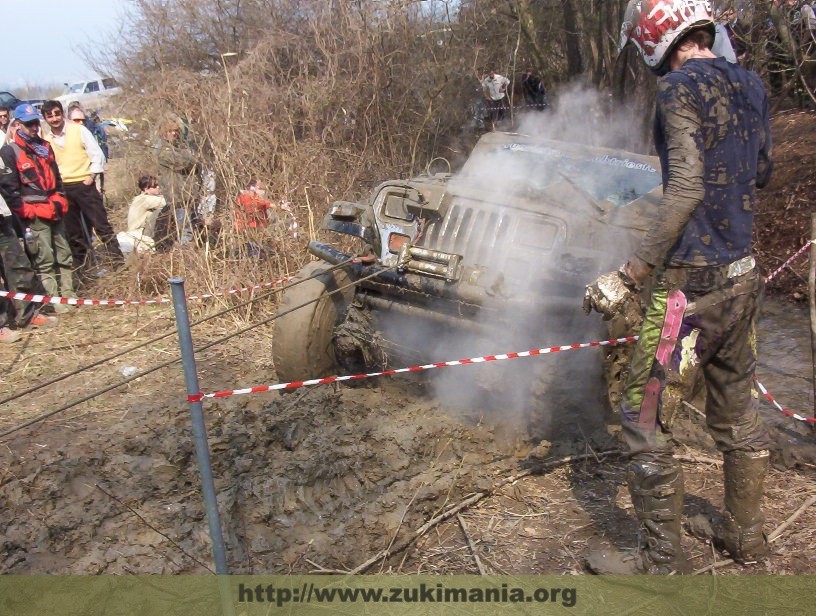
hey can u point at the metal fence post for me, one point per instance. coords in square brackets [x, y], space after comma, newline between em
[812, 304]
[199, 429]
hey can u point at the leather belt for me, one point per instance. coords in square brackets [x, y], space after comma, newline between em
[709, 285]
[741, 287]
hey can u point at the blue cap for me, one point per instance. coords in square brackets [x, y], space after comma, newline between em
[26, 112]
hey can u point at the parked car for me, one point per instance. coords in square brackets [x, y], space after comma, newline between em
[91, 93]
[7, 99]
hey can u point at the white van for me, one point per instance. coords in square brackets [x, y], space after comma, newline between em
[91, 94]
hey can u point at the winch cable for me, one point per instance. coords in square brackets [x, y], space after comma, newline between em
[169, 333]
[206, 346]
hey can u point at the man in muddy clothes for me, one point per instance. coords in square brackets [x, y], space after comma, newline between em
[713, 138]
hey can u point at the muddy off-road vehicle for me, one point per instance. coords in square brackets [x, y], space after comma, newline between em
[492, 259]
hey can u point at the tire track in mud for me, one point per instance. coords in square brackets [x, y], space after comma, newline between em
[323, 481]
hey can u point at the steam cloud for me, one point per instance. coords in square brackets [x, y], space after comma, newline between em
[559, 396]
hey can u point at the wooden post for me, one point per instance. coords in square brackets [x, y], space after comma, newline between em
[812, 302]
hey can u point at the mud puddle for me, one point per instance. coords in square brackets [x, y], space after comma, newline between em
[785, 368]
[322, 478]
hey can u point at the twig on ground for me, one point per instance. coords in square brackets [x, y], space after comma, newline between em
[153, 528]
[781, 528]
[575, 530]
[587, 445]
[471, 545]
[712, 567]
[513, 514]
[689, 405]
[471, 500]
[493, 564]
[402, 520]
[320, 569]
[390, 551]
[699, 459]
[772, 537]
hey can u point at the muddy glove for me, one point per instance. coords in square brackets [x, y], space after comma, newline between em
[609, 293]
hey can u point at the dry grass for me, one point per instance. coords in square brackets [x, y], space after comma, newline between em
[548, 524]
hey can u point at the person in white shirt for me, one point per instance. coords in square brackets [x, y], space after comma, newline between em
[722, 47]
[495, 91]
[143, 213]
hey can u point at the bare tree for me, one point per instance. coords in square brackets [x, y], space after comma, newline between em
[324, 99]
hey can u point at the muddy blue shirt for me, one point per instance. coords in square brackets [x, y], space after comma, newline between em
[713, 137]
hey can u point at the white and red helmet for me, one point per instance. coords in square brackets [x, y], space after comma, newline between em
[655, 26]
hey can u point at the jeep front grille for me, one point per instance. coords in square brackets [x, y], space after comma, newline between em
[496, 238]
[472, 232]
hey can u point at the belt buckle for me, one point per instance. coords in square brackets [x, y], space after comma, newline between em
[740, 267]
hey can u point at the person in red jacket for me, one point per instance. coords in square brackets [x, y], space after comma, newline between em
[32, 187]
[251, 207]
[254, 212]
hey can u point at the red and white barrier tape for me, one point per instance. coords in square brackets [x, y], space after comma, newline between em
[443, 364]
[769, 397]
[795, 256]
[254, 287]
[76, 301]
[459, 362]
[524, 106]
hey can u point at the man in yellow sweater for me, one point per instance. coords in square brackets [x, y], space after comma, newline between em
[80, 161]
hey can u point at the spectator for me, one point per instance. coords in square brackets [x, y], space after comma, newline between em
[32, 187]
[253, 212]
[534, 95]
[5, 116]
[12, 128]
[9, 137]
[739, 31]
[76, 115]
[80, 161]
[178, 176]
[143, 213]
[808, 28]
[251, 207]
[724, 35]
[18, 277]
[494, 87]
[722, 47]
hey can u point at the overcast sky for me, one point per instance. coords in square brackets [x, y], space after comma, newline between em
[40, 38]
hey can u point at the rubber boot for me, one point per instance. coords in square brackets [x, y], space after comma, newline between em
[657, 494]
[741, 532]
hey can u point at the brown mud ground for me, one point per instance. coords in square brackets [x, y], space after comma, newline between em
[329, 477]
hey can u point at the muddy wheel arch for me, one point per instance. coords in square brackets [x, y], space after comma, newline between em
[302, 346]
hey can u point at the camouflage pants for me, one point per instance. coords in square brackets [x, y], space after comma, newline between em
[51, 256]
[18, 276]
[716, 336]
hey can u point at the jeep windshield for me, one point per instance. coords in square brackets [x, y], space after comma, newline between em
[536, 169]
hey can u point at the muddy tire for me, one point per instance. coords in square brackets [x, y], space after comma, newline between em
[302, 345]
